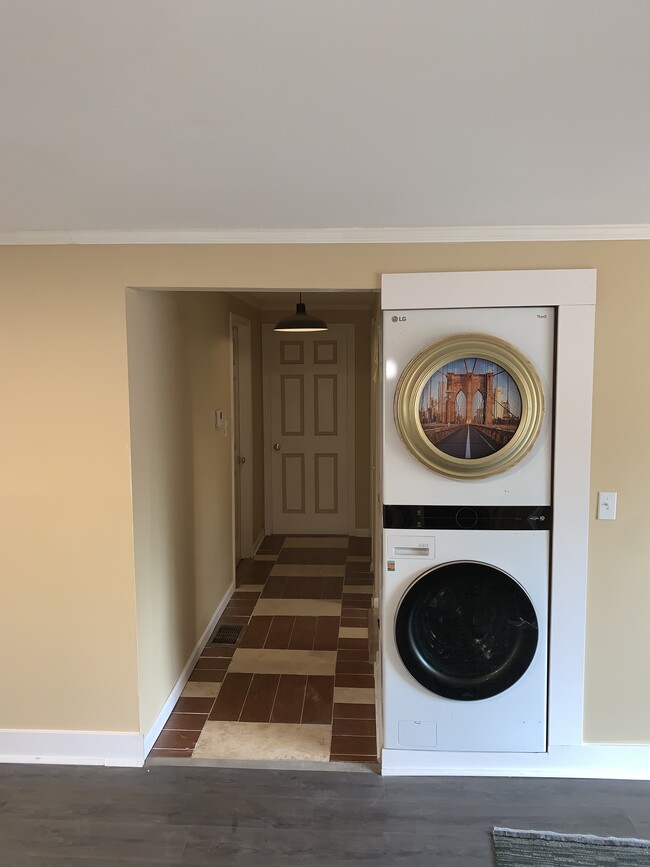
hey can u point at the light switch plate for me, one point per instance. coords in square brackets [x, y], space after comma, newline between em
[606, 505]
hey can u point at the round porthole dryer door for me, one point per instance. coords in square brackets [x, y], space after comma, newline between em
[466, 630]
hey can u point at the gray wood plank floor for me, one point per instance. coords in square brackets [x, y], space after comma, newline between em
[169, 815]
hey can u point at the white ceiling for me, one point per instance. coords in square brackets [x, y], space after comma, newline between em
[305, 114]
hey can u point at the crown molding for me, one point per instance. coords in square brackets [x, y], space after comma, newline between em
[424, 235]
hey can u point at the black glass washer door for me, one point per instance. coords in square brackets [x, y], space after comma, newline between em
[466, 630]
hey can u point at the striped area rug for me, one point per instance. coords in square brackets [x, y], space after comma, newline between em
[547, 849]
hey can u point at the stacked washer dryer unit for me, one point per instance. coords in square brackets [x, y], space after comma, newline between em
[467, 515]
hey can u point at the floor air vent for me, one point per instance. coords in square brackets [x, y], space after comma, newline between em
[226, 635]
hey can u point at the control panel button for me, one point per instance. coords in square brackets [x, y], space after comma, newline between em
[466, 518]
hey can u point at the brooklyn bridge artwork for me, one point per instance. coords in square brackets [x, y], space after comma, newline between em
[470, 408]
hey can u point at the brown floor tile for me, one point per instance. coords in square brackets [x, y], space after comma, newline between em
[245, 596]
[343, 727]
[358, 600]
[186, 721]
[289, 699]
[359, 545]
[222, 650]
[358, 588]
[232, 620]
[332, 588]
[177, 740]
[170, 754]
[280, 633]
[352, 745]
[208, 675]
[360, 578]
[353, 567]
[194, 705]
[213, 663]
[256, 632]
[274, 587]
[360, 681]
[354, 666]
[319, 700]
[271, 545]
[313, 556]
[354, 621]
[327, 634]
[253, 571]
[368, 760]
[354, 644]
[349, 655]
[302, 637]
[239, 608]
[231, 698]
[344, 710]
[303, 588]
[260, 698]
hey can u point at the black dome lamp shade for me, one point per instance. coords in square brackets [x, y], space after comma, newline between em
[301, 321]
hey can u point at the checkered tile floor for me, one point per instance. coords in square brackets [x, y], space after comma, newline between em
[299, 685]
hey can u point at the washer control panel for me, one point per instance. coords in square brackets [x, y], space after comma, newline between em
[467, 517]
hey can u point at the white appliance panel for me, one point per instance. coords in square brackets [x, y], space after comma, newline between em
[405, 333]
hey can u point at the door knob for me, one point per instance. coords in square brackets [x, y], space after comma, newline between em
[276, 446]
[242, 460]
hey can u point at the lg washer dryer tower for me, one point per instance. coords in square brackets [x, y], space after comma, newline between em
[467, 459]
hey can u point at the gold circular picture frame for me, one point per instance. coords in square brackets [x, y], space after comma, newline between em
[469, 406]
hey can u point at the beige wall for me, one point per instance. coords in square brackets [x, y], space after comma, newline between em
[66, 558]
[361, 321]
[179, 373]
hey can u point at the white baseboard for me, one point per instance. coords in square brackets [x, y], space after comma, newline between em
[163, 715]
[258, 542]
[116, 749]
[362, 532]
[587, 761]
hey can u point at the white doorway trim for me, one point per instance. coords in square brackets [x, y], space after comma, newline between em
[242, 522]
[352, 428]
[267, 331]
[573, 294]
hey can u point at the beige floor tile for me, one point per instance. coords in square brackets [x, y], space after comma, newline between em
[352, 695]
[298, 607]
[255, 661]
[196, 689]
[353, 632]
[274, 741]
[356, 558]
[250, 588]
[353, 588]
[316, 542]
[291, 570]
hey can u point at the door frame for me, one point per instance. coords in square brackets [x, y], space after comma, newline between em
[245, 433]
[267, 331]
[573, 294]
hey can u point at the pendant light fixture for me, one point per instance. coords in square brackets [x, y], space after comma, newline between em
[301, 321]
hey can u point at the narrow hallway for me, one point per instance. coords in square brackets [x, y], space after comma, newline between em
[298, 684]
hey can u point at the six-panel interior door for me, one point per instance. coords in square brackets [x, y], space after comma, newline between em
[309, 433]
